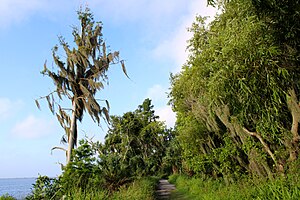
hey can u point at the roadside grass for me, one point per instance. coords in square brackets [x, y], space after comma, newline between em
[287, 188]
[140, 189]
[143, 188]
[176, 195]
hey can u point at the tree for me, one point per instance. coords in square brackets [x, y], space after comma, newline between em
[80, 77]
[135, 144]
[241, 83]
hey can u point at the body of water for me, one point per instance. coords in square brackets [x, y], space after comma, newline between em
[16, 187]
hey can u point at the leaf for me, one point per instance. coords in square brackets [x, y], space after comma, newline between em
[60, 120]
[107, 104]
[63, 140]
[37, 104]
[116, 55]
[50, 104]
[104, 50]
[124, 68]
[110, 57]
[59, 94]
[85, 91]
[106, 114]
[58, 148]
[45, 68]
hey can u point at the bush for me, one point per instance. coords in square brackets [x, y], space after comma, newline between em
[7, 197]
[45, 188]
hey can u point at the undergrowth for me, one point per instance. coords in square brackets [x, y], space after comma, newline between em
[287, 188]
[143, 188]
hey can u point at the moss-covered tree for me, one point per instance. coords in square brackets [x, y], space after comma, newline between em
[80, 77]
[241, 85]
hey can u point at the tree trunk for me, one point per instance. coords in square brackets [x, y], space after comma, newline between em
[234, 128]
[294, 108]
[72, 138]
[265, 145]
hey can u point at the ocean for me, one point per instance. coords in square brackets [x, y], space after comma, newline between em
[16, 187]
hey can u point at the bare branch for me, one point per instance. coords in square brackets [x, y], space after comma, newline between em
[265, 145]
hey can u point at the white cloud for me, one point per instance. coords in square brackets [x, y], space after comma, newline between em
[137, 10]
[157, 93]
[17, 11]
[32, 127]
[174, 47]
[8, 107]
[167, 115]
[12, 11]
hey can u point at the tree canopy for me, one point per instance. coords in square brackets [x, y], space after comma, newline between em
[80, 77]
[240, 87]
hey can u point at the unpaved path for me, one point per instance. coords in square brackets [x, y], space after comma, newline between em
[164, 189]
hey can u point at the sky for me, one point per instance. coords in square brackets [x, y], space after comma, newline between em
[150, 35]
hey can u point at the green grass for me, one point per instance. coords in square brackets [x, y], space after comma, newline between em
[260, 189]
[140, 189]
[87, 195]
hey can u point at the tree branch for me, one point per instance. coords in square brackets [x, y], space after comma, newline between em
[265, 145]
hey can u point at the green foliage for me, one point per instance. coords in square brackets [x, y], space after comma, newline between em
[136, 146]
[7, 197]
[197, 188]
[233, 96]
[82, 172]
[88, 194]
[140, 189]
[143, 188]
[45, 188]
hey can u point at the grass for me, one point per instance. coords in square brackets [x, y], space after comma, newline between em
[259, 189]
[140, 189]
[143, 188]
[176, 195]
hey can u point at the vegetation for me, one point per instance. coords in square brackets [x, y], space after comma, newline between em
[80, 77]
[139, 189]
[6, 197]
[126, 166]
[237, 105]
[237, 98]
[244, 189]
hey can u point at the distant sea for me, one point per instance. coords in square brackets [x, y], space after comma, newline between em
[16, 187]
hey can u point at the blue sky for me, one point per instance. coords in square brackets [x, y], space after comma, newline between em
[150, 35]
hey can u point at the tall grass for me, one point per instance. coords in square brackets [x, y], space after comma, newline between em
[260, 189]
[143, 188]
[140, 189]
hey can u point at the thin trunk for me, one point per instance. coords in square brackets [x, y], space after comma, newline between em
[265, 145]
[72, 138]
[294, 107]
[224, 115]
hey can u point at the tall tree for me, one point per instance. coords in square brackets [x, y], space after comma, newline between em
[241, 82]
[80, 77]
[137, 141]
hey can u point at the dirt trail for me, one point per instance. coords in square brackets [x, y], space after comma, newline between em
[164, 189]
